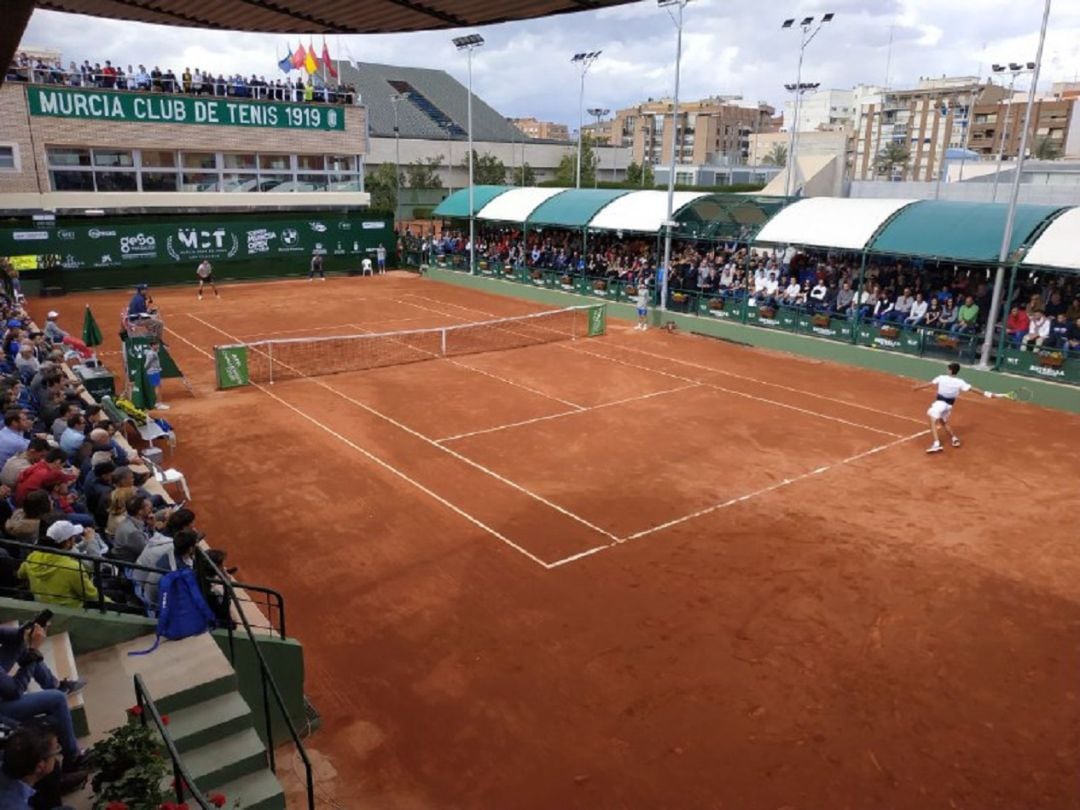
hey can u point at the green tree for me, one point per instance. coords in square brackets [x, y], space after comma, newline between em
[424, 173]
[1046, 149]
[488, 170]
[634, 176]
[566, 174]
[777, 156]
[521, 175]
[892, 156]
[380, 184]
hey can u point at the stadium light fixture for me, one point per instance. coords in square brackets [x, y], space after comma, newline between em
[1010, 217]
[395, 99]
[598, 113]
[469, 44]
[798, 89]
[665, 269]
[584, 61]
[1015, 70]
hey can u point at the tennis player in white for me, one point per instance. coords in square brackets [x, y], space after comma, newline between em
[642, 306]
[949, 387]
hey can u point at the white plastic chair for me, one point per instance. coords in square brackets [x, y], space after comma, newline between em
[170, 475]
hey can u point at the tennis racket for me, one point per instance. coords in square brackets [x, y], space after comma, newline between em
[1020, 394]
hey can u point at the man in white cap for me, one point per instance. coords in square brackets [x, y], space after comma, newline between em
[57, 336]
[56, 578]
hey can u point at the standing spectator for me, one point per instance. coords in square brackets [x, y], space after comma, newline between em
[185, 80]
[108, 75]
[142, 79]
[155, 79]
[380, 258]
[152, 361]
[316, 267]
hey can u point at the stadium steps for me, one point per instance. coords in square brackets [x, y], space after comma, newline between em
[191, 681]
[60, 658]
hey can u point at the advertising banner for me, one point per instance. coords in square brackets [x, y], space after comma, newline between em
[1050, 364]
[231, 363]
[117, 243]
[161, 108]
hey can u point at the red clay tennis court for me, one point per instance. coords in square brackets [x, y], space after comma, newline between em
[641, 570]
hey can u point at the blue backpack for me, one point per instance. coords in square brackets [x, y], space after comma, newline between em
[182, 611]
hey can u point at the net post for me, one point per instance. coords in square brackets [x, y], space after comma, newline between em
[270, 353]
[442, 335]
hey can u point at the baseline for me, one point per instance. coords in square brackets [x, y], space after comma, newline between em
[740, 499]
[428, 440]
[372, 457]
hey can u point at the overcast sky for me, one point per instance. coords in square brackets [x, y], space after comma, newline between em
[729, 47]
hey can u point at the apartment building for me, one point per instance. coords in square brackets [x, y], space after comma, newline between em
[927, 119]
[1055, 128]
[542, 130]
[711, 131]
[822, 111]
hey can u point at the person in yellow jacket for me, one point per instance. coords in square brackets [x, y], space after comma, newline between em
[57, 579]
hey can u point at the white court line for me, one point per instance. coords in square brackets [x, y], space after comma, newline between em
[371, 456]
[475, 464]
[587, 409]
[734, 392]
[770, 384]
[741, 498]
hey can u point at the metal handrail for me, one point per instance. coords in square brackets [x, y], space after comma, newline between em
[275, 601]
[269, 685]
[181, 777]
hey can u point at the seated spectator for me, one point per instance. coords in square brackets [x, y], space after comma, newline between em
[1059, 332]
[116, 510]
[1073, 313]
[74, 435]
[901, 310]
[933, 315]
[818, 294]
[26, 361]
[166, 554]
[21, 662]
[948, 314]
[97, 488]
[55, 578]
[32, 776]
[134, 529]
[1038, 331]
[36, 476]
[1056, 306]
[883, 308]
[24, 524]
[792, 295]
[65, 411]
[967, 317]
[845, 298]
[919, 308]
[12, 435]
[13, 467]
[1016, 325]
[1074, 336]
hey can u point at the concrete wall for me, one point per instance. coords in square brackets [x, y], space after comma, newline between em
[966, 192]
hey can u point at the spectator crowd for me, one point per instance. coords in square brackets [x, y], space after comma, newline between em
[197, 82]
[1042, 313]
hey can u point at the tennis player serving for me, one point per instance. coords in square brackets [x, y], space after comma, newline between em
[949, 387]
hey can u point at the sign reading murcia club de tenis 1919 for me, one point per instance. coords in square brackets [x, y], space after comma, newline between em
[64, 102]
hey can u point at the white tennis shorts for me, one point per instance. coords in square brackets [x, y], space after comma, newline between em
[940, 410]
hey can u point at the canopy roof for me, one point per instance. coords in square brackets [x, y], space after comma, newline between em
[829, 222]
[1059, 244]
[456, 206]
[517, 204]
[324, 16]
[958, 231]
[641, 211]
[574, 210]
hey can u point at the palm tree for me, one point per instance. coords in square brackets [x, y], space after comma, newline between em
[893, 155]
[1046, 149]
[777, 156]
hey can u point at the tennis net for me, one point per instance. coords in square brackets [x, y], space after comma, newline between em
[267, 361]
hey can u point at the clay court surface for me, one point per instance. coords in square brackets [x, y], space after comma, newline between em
[639, 571]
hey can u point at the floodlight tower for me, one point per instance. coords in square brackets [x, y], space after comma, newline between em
[665, 269]
[598, 113]
[809, 31]
[1015, 69]
[469, 44]
[584, 61]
